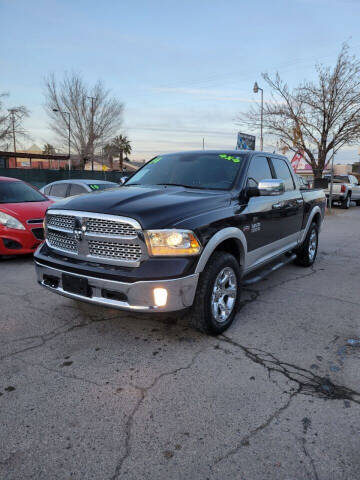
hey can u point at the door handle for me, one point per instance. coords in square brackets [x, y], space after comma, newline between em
[276, 206]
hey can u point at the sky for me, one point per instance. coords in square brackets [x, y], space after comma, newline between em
[184, 70]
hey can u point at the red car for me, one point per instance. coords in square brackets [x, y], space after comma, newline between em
[22, 210]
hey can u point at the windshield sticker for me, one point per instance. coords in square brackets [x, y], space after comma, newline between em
[230, 158]
[94, 187]
[155, 160]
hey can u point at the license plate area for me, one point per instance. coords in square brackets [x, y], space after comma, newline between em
[77, 285]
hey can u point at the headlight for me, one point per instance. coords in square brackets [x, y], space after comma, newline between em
[10, 222]
[172, 242]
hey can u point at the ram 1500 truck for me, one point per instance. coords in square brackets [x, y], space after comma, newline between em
[181, 233]
[346, 189]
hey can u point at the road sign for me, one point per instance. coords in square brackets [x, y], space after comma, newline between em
[104, 168]
[245, 141]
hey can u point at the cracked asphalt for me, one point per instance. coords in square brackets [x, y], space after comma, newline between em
[93, 393]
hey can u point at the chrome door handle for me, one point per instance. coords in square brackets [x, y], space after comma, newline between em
[276, 206]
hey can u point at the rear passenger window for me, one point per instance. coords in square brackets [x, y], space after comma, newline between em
[76, 189]
[259, 170]
[59, 190]
[283, 172]
[47, 190]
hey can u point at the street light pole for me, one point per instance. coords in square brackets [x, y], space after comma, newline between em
[256, 89]
[69, 133]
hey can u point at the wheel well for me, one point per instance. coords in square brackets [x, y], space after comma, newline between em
[317, 219]
[231, 245]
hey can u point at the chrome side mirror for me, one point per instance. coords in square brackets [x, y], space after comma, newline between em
[123, 179]
[273, 186]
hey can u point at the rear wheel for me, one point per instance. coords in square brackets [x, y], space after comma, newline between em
[346, 203]
[357, 203]
[218, 294]
[306, 254]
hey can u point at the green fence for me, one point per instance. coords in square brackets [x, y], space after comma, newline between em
[39, 178]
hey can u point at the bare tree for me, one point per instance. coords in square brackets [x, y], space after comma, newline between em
[109, 153]
[4, 121]
[11, 123]
[317, 118]
[95, 115]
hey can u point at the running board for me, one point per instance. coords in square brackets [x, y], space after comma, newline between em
[266, 271]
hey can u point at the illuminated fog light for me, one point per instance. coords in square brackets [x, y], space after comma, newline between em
[160, 296]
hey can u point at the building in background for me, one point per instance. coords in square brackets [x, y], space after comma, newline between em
[40, 163]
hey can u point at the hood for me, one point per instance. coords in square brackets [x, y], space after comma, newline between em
[151, 206]
[26, 211]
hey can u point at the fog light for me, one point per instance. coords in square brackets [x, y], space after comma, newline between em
[160, 296]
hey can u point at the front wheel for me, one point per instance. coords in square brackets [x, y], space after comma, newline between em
[306, 253]
[218, 294]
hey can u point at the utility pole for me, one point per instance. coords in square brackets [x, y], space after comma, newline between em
[255, 90]
[12, 112]
[92, 132]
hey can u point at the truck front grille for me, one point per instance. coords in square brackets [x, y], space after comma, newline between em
[109, 227]
[121, 251]
[96, 237]
[62, 241]
[65, 222]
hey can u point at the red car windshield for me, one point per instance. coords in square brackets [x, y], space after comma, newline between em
[19, 192]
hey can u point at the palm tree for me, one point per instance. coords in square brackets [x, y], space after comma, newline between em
[121, 145]
[48, 149]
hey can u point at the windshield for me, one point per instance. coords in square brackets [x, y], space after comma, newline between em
[194, 170]
[19, 192]
[102, 186]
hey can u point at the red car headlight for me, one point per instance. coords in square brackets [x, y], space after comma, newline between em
[10, 222]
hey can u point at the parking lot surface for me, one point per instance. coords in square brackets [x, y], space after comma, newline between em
[94, 393]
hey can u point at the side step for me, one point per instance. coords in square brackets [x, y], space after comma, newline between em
[266, 271]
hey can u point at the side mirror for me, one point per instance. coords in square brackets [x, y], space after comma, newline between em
[273, 186]
[123, 179]
[269, 187]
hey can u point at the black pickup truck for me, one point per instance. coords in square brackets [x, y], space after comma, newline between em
[182, 232]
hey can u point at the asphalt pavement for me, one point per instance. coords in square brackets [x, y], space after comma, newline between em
[94, 393]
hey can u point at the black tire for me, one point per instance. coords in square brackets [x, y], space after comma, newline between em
[346, 203]
[305, 256]
[201, 313]
[357, 203]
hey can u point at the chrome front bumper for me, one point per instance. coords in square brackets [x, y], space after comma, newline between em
[137, 296]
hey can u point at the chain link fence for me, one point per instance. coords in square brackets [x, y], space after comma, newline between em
[42, 177]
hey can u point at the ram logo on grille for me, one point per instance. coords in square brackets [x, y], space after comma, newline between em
[80, 229]
[95, 237]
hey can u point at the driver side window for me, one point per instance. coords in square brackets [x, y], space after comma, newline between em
[259, 169]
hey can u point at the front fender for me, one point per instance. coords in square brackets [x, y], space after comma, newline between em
[216, 240]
